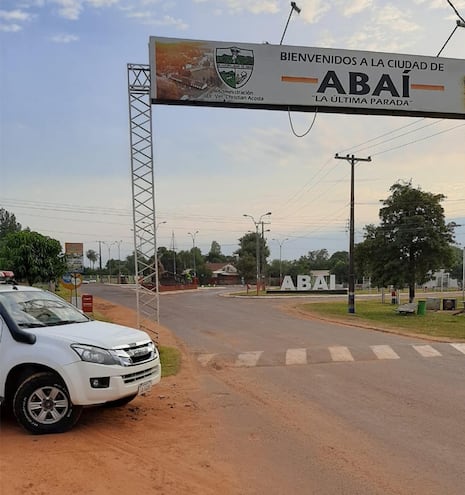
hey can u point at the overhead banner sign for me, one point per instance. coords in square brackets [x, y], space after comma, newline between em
[277, 77]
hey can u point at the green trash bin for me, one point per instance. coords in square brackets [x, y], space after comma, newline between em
[421, 308]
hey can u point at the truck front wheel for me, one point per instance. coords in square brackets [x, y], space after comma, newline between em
[42, 405]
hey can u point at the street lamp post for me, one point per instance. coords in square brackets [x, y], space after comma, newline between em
[109, 244]
[193, 250]
[280, 258]
[352, 160]
[298, 10]
[257, 246]
[463, 277]
[119, 260]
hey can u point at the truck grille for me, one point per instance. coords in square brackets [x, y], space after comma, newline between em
[140, 375]
[141, 353]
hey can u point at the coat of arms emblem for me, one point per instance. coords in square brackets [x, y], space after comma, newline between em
[234, 65]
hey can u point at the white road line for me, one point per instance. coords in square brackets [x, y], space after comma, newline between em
[340, 353]
[427, 351]
[248, 358]
[459, 347]
[384, 352]
[204, 359]
[296, 356]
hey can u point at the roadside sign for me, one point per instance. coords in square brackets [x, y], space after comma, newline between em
[74, 252]
[71, 281]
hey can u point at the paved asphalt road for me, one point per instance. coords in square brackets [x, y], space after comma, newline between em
[321, 408]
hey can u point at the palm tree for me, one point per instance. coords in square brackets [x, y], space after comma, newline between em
[92, 256]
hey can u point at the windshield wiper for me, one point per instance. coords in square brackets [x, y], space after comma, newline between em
[31, 325]
[64, 322]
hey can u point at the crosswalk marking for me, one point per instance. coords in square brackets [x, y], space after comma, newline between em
[427, 351]
[459, 347]
[296, 356]
[340, 353]
[384, 352]
[248, 358]
[300, 356]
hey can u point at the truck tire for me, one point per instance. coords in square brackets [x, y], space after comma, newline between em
[42, 405]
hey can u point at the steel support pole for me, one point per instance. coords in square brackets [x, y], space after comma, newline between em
[143, 193]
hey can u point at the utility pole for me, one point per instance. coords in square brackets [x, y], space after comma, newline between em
[257, 244]
[280, 258]
[100, 255]
[463, 278]
[173, 248]
[119, 260]
[263, 260]
[352, 159]
[193, 252]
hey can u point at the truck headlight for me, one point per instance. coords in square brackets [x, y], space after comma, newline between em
[97, 355]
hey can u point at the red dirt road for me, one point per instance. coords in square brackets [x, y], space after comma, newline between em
[163, 443]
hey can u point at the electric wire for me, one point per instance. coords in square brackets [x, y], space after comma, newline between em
[308, 130]
[417, 140]
[357, 149]
[380, 136]
[455, 10]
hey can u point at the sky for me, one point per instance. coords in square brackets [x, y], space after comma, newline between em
[64, 131]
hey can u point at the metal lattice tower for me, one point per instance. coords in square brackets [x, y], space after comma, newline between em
[143, 193]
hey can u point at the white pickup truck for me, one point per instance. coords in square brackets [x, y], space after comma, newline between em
[54, 360]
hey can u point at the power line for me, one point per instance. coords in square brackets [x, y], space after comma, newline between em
[417, 140]
[353, 148]
[436, 122]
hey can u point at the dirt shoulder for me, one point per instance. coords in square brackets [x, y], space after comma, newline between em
[163, 443]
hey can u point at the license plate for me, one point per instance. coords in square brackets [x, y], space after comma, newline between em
[144, 388]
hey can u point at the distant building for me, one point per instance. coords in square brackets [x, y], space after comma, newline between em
[441, 280]
[223, 274]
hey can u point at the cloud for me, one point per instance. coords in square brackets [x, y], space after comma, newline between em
[313, 10]
[64, 38]
[440, 4]
[150, 18]
[72, 9]
[357, 6]
[397, 19]
[69, 9]
[10, 28]
[15, 15]
[252, 6]
[102, 3]
[11, 21]
[382, 31]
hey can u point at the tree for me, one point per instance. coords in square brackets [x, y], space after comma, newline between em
[92, 256]
[32, 256]
[247, 262]
[456, 268]
[8, 223]
[412, 239]
[339, 266]
[318, 259]
[215, 256]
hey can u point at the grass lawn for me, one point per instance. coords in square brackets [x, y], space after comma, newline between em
[170, 358]
[441, 324]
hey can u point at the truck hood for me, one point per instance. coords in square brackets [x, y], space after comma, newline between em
[96, 333]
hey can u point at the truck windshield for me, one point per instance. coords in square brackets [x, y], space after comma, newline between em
[41, 308]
